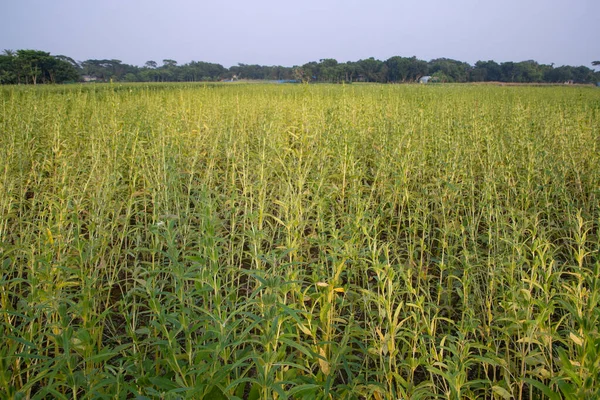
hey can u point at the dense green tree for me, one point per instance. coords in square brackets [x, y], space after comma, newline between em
[486, 71]
[330, 72]
[349, 70]
[395, 68]
[299, 74]
[63, 69]
[455, 71]
[69, 60]
[33, 66]
[404, 69]
[311, 71]
[149, 75]
[565, 73]
[560, 74]
[583, 74]
[201, 71]
[8, 73]
[130, 77]
[248, 71]
[94, 68]
[440, 76]
[528, 72]
[508, 71]
[105, 70]
[371, 70]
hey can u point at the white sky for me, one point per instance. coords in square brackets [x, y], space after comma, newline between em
[273, 32]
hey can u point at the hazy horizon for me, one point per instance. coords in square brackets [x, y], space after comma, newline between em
[269, 33]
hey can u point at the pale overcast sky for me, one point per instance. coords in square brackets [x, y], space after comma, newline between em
[271, 32]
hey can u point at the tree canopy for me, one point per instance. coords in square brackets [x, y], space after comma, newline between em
[34, 66]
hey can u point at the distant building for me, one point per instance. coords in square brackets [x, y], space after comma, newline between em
[425, 79]
[89, 78]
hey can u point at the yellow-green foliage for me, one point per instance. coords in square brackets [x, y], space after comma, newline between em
[273, 241]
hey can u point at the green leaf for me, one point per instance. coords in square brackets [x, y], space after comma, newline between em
[552, 395]
[305, 389]
[499, 390]
[566, 389]
[215, 394]
[254, 392]
[162, 383]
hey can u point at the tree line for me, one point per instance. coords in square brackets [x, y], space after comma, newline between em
[34, 66]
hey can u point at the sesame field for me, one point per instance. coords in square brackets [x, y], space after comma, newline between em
[264, 241]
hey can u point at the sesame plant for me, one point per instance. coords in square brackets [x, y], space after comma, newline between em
[244, 241]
